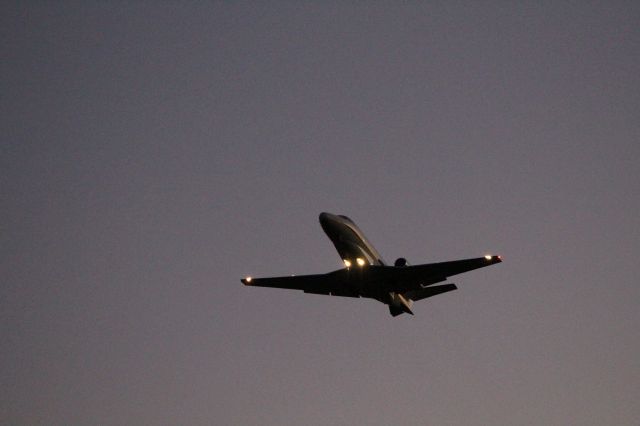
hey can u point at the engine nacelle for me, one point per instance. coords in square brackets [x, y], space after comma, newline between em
[401, 261]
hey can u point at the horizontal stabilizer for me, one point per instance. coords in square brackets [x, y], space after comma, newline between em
[423, 293]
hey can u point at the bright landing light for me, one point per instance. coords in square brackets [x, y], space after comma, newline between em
[360, 261]
[347, 263]
[488, 257]
[248, 279]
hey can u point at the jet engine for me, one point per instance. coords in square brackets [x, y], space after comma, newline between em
[401, 261]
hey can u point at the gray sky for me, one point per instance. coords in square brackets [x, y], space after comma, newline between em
[152, 155]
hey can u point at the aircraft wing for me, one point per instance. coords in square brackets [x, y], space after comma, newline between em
[331, 284]
[410, 277]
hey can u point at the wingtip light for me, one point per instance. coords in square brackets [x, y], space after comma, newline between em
[491, 257]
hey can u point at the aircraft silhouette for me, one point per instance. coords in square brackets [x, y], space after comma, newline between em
[367, 275]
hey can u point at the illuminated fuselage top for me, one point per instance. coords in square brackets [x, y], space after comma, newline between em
[350, 242]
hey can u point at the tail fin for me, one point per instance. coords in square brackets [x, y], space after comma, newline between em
[395, 310]
[399, 304]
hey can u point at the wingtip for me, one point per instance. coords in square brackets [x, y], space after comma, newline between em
[493, 258]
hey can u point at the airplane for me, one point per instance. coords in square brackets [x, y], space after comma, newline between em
[367, 275]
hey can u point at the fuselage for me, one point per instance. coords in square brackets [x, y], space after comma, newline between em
[359, 256]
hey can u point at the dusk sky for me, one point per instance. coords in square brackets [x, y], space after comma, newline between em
[154, 153]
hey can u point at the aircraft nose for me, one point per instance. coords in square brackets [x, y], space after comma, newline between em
[326, 217]
[327, 221]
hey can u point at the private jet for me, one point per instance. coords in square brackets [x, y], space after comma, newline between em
[366, 274]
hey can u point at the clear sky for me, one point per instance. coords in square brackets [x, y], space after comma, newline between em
[154, 154]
